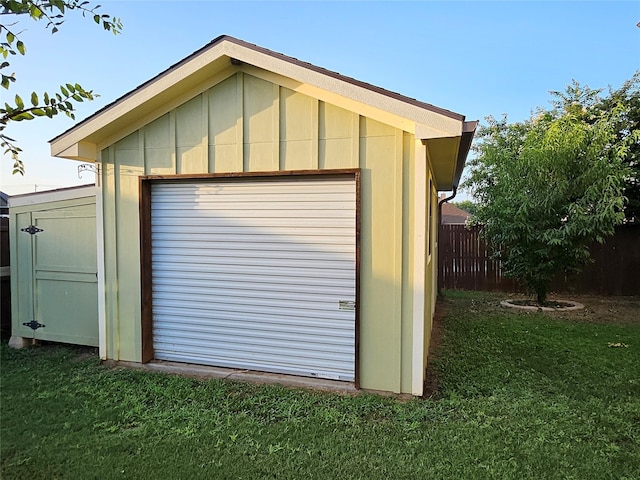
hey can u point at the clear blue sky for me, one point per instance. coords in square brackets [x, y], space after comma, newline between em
[475, 58]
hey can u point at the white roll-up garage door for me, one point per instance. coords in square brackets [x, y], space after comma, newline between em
[256, 274]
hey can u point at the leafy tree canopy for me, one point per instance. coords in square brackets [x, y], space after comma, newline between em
[587, 103]
[28, 107]
[550, 186]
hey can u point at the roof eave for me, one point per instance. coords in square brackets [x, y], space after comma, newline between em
[448, 155]
[468, 132]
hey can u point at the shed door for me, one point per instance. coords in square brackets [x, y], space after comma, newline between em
[60, 287]
[256, 274]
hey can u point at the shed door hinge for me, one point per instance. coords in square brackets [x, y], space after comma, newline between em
[33, 324]
[31, 230]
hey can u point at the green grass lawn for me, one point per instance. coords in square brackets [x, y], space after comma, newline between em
[520, 396]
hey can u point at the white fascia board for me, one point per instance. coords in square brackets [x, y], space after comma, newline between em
[81, 151]
[439, 125]
[426, 132]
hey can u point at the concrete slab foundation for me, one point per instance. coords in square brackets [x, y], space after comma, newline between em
[204, 371]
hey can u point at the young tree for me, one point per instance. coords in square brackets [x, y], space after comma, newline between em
[52, 12]
[550, 186]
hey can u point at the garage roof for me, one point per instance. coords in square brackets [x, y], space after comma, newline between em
[445, 133]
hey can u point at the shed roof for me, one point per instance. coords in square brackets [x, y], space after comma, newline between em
[445, 133]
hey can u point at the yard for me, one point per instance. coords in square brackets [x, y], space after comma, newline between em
[518, 395]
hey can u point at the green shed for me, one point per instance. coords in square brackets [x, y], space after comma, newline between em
[259, 213]
[54, 276]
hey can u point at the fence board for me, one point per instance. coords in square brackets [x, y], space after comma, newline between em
[465, 264]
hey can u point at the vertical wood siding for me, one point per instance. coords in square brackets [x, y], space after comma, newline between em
[246, 124]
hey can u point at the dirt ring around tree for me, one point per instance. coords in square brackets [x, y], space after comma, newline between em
[557, 305]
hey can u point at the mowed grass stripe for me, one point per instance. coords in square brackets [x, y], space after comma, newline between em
[520, 396]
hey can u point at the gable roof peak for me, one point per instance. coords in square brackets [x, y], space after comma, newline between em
[226, 55]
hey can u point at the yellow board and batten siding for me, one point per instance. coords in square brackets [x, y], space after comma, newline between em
[249, 124]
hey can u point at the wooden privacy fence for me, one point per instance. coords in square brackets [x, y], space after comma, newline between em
[464, 263]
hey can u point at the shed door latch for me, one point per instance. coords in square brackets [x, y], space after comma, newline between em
[31, 230]
[33, 324]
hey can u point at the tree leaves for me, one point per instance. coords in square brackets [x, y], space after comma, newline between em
[7, 80]
[53, 13]
[35, 12]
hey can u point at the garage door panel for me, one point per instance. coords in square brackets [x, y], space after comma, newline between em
[256, 274]
[332, 322]
[263, 233]
[260, 329]
[250, 248]
[254, 191]
[269, 290]
[172, 208]
[257, 255]
[269, 366]
[290, 293]
[213, 308]
[240, 333]
[190, 278]
[273, 265]
[254, 186]
[265, 216]
[249, 238]
[260, 298]
[276, 352]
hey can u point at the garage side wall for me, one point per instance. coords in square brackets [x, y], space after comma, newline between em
[248, 124]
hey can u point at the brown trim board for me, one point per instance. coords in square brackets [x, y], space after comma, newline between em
[146, 274]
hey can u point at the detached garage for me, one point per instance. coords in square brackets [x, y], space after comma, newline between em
[259, 213]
